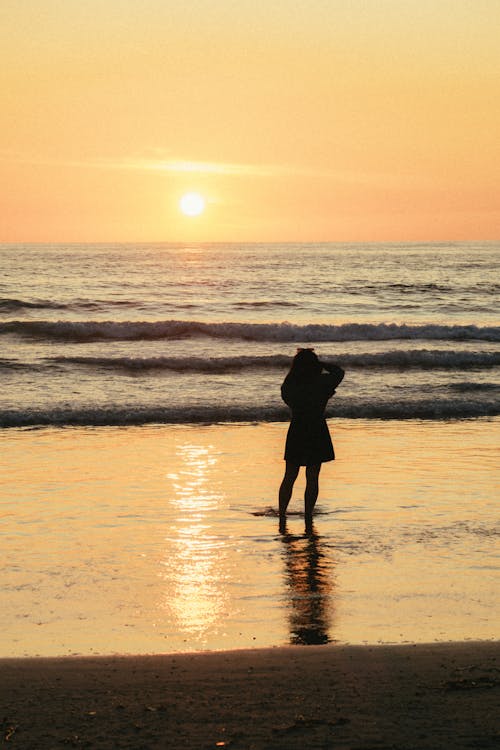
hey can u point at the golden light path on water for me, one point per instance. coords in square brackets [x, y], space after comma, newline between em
[195, 594]
[197, 571]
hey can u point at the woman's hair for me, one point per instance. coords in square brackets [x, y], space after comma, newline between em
[305, 366]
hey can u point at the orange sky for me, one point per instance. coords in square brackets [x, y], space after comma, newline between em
[295, 119]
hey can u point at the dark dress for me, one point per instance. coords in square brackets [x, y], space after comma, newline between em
[308, 439]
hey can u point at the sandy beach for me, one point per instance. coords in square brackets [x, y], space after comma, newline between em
[357, 697]
[180, 553]
[163, 539]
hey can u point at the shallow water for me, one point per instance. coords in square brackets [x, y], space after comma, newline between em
[165, 538]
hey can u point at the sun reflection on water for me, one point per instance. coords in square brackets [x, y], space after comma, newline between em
[195, 559]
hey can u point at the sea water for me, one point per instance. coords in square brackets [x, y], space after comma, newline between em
[143, 437]
[137, 334]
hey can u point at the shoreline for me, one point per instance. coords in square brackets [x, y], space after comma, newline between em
[429, 696]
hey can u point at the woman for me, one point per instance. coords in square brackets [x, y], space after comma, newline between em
[306, 389]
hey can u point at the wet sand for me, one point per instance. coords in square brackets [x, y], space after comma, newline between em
[163, 539]
[358, 697]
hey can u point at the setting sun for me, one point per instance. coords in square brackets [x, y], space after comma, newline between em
[192, 204]
[385, 130]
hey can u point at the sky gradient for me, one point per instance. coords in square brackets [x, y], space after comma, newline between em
[302, 121]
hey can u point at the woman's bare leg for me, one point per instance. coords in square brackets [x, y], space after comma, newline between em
[286, 487]
[312, 489]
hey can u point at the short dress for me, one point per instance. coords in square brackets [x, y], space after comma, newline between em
[308, 440]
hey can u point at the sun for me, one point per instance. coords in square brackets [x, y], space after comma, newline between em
[192, 204]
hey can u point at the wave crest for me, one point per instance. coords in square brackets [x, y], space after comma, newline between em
[11, 304]
[283, 332]
[419, 358]
[433, 409]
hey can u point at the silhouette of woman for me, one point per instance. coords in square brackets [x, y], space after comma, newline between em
[306, 389]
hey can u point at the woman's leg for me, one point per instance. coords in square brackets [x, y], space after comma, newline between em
[286, 487]
[312, 488]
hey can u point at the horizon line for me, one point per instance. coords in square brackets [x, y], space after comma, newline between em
[251, 242]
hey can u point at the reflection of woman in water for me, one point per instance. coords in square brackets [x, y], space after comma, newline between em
[308, 580]
[306, 389]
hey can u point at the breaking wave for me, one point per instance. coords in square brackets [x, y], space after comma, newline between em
[434, 409]
[175, 329]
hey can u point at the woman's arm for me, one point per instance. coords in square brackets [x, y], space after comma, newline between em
[335, 371]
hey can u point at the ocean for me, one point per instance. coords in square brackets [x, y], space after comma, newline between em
[139, 334]
[142, 436]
